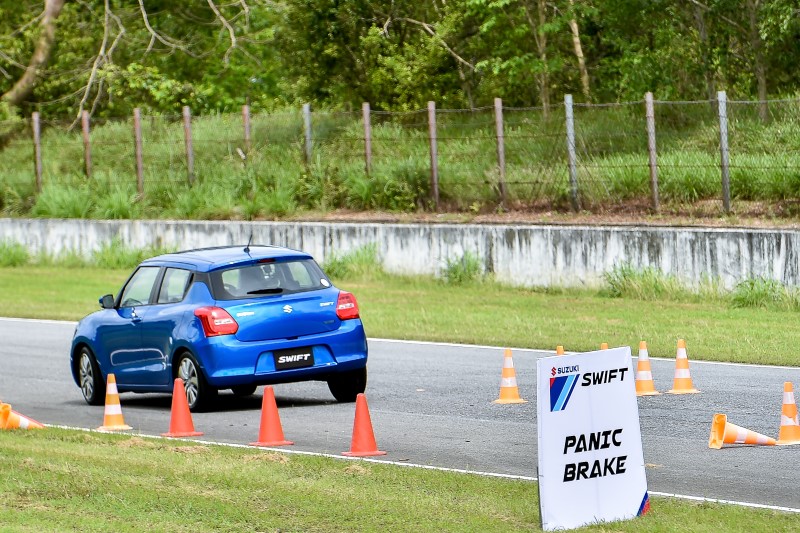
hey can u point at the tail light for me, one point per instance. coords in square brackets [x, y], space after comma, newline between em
[216, 321]
[346, 307]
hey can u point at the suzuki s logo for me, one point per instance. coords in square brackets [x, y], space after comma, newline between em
[287, 308]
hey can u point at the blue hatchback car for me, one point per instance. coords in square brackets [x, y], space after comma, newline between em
[222, 318]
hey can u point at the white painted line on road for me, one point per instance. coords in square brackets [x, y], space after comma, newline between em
[727, 502]
[427, 467]
[38, 320]
[457, 345]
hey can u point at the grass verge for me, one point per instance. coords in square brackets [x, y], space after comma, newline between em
[479, 312]
[58, 480]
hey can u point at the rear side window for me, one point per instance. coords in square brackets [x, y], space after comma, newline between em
[174, 285]
[268, 279]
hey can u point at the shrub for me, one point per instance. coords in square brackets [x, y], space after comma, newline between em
[760, 292]
[13, 254]
[466, 269]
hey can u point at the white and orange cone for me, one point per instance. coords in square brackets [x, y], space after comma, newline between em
[723, 432]
[683, 380]
[644, 375]
[790, 427]
[559, 350]
[509, 392]
[10, 419]
[604, 346]
[112, 417]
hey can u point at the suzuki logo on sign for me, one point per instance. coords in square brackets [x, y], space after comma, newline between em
[287, 308]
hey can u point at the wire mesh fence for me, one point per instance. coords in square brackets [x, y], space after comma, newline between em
[678, 156]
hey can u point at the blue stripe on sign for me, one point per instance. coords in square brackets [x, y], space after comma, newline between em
[645, 505]
[571, 388]
[555, 391]
[566, 392]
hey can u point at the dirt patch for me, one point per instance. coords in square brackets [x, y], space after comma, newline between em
[700, 214]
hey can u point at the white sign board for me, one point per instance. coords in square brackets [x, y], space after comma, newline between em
[591, 466]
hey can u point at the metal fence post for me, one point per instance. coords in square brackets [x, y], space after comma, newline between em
[246, 124]
[307, 127]
[434, 154]
[37, 149]
[87, 147]
[187, 135]
[501, 148]
[365, 113]
[722, 100]
[573, 170]
[651, 148]
[137, 140]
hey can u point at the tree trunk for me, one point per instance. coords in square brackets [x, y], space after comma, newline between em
[543, 76]
[758, 59]
[44, 46]
[576, 43]
[711, 88]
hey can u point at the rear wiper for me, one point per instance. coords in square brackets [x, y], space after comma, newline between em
[266, 291]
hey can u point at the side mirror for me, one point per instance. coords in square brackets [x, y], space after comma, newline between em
[107, 301]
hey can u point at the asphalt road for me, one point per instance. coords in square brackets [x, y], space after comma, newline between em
[431, 404]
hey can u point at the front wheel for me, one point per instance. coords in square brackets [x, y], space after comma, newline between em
[345, 386]
[199, 394]
[91, 381]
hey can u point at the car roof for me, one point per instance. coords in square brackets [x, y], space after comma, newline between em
[208, 259]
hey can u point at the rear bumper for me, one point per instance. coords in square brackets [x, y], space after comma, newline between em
[227, 362]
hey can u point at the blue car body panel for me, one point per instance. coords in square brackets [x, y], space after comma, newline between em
[139, 343]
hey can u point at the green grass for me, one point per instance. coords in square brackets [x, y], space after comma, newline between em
[478, 313]
[59, 480]
[271, 179]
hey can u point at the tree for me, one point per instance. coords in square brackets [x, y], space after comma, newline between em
[105, 53]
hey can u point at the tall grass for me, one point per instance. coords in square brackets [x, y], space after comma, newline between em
[270, 178]
[13, 254]
[116, 256]
[363, 263]
[649, 284]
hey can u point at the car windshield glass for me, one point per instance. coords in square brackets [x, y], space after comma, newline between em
[268, 279]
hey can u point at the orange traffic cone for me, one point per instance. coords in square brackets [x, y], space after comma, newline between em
[180, 422]
[723, 432]
[683, 381]
[112, 417]
[10, 419]
[559, 350]
[604, 346]
[790, 428]
[644, 375]
[363, 443]
[509, 392]
[270, 433]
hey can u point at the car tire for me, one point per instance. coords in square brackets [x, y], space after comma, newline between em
[346, 386]
[90, 379]
[199, 394]
[244, 390]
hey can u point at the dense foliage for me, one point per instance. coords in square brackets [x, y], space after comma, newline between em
[109, 56]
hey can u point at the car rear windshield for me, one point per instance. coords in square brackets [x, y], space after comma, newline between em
[268, 279]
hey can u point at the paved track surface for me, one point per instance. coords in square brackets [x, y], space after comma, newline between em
[432, 404]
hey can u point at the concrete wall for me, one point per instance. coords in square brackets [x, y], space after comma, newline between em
[519, 255]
